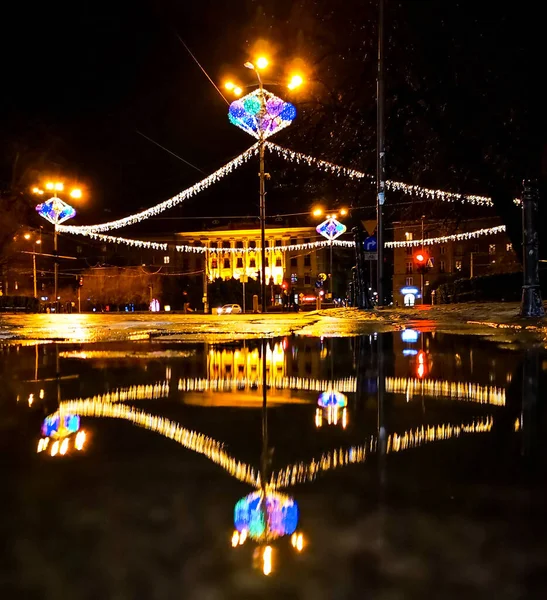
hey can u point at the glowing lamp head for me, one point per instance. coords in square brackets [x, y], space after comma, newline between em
[237, 91]
[59, 187]
[76, 193]
[420, 258]
[317, 212]
[295, 82]
[27, 236]
[50, 185]
[35, 190]
[262, 62]
[249, 65]
[343, 211]
[229, 86]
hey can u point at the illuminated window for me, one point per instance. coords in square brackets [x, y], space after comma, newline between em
[252, 263]
[509, 247]
[408, 236]
[458, 265]
[491, 248]
[409, 267]
[409, 281]
[226, 263]
[267, 262]
[79, 249]
[165, 260]
[441, 266]
[307, 260]
[239, 263]
[214, 263]
[278, 262]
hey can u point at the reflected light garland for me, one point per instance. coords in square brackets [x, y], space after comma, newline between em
[447, 238]
[192, 440]
[348, 384]
[458, 390]
[167, 204]
[413, 438]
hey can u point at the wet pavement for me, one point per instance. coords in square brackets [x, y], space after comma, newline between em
[406, 464]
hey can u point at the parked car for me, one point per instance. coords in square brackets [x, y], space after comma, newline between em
[228, 309]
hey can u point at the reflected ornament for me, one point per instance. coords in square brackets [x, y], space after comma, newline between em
[266, 516]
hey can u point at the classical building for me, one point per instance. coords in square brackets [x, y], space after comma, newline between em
[449, 260]
[235, 253]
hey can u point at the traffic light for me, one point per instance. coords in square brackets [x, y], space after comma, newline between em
[421, 259]
[81, 281]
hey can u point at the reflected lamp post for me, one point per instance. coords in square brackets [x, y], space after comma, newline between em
[56, 212]
[261, 114]
[27, 236]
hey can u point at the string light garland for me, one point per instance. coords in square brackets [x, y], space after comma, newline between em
[167, 204]
[412, 438]
[192, 440]
[447, 238]
[413, 190]
[119, 240]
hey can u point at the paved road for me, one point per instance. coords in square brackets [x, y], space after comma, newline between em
[103, 327]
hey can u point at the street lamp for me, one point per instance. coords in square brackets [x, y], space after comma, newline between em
[330, 229]
[261, 114]
[56, 212]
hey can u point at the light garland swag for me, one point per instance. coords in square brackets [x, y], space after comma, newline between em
[413, 190]
[446, 238]
[167, 204]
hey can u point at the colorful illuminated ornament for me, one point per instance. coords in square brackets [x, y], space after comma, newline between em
[266, 516]
[332, 398]
[261, 112]
[56, 426]
[56, 211]
[331, 229]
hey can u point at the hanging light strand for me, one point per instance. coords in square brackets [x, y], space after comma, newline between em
[167, 204]
[413, 190]
[447, 238]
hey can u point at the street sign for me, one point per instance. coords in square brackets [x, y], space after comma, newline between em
[371, 255]
[370, 243]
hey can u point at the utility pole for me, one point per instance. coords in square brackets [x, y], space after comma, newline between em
[531, 304]
[380, 156]
[262, 204]
[422, 273]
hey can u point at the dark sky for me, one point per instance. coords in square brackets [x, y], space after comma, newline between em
[80, 79]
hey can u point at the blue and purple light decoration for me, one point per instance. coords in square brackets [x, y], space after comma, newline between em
[56, 426]
[55, 211]
[332, 398]
[247, 113]
[331, 229]
[266, 516]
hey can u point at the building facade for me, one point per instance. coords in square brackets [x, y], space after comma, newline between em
[449, 260]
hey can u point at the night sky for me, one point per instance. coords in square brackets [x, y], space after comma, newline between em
[80, 80]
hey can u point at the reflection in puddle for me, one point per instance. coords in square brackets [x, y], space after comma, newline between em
[315, 410]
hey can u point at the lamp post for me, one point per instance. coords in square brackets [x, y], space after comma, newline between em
[380, 157]
[27, 236]
[330, 229]
[261, 114]
[56, 212]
